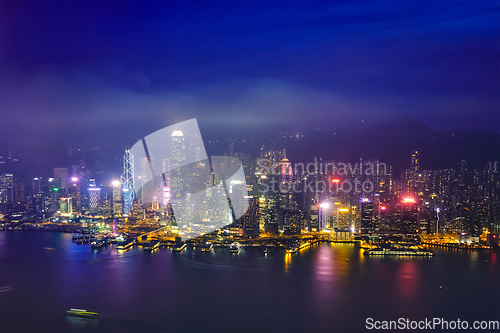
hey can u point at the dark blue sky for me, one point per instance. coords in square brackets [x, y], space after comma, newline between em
[87, 72]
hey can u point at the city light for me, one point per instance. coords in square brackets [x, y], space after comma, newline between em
[335, 180]
[408, 200]
[74, 179]
[343, 210]
[324, 205]
[115, 183]
[382, 208]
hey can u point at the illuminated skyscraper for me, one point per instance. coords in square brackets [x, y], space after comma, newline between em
[117, 198]
[7, 188]
[415, 162]
[94, 197]
[177, 177]
[409, 216]
[367, 218]
[128, 181]
[343, 218]
[61, 175]
[250, 220]
[324, 216]
[66, 206]
[37, 185]
[74, 190]
[285, 189]
[414, 178]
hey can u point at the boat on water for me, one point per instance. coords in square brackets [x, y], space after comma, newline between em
[367, 246]
[48, 248]
[179, 247]
[152, 246]
[81, 313]
[92, 261]
[98, 244]
[6, 288]
[294, 248]
[82, 237]
[264, 249]
[397, 252]
[207, 247]
[234, 248]
[125, 245]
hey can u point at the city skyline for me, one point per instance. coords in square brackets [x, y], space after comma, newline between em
[464, 198]
[249, 166]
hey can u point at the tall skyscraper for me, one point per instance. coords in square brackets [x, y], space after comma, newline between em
[7, 188]
[324, 216]
[117, 198]
[61, 176]
[286, 180]
[177, 177]
[367, 218]
[37, 185]
[94, 198]
[128, 181]
[250, 220]
[74, 190]
[409, 216]
[415, 162]
[343, 218]
[414, 179]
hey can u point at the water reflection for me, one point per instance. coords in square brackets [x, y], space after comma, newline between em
[288, 260]
[321, 292]
[407, 279]
[323, 265]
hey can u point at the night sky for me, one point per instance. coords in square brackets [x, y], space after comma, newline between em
[87, 73]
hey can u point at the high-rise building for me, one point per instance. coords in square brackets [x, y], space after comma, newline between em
[367, 217]
[271, 224]
[343, 218]
[413, 176]
[7, 188]
[415, 162]
[61, 176]
[285, 188]
[128, 182]
[177, 176]
[409, 216]
[324, 216]
[74, 190]
[66, 206]
[117, 198]
[250, 220]
[94, 198]
[37, 185]
[20, 193]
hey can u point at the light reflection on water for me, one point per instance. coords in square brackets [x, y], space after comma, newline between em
[324, 287]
